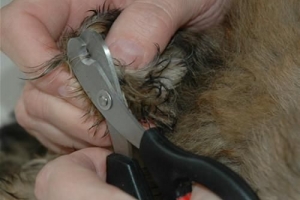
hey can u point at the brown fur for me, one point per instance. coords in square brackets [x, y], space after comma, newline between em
[231, 93]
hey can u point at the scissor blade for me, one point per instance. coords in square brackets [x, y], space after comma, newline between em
[99, 88]
[121, 145]
[100, 53]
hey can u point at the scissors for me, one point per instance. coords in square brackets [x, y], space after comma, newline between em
[173, 170]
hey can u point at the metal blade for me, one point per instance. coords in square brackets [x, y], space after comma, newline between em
[100, 89]
[99, 52]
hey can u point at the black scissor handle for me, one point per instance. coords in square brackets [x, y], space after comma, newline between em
[126, 174]
[169, 165]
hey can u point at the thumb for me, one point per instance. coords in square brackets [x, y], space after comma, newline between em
[139, 27]
[144, 23]
[77, 176]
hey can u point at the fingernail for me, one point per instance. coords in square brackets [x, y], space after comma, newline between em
[127, 52]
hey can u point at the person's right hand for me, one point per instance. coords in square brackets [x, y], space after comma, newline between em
[30, 30]
[82, 174]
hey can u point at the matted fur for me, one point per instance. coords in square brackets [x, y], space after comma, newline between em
[231, 93]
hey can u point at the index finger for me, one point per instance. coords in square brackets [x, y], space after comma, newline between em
[27, 37]
[29, 30]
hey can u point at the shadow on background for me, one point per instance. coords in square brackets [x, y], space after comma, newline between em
[10, 84]
[10, 88]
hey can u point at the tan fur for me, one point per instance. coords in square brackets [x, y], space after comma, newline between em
[249, 116]
[231, 93]
[21, 185]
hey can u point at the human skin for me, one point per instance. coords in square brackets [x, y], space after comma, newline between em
[82, 175]
[31, 28]
[29, 32]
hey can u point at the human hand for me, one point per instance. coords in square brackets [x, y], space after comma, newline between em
[76, 176]
[82, 175]
[30, 29]
[29, 32]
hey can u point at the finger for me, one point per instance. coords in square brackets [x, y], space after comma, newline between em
[212, 13]
[29, 40]
[54, 111]
[144, 23]
[62, 84]
[28, 29]
[52, 146]
[132, 38]
[48, 144]
[88, 166]
[48, 135]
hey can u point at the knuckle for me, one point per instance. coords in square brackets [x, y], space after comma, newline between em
[163, 13]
